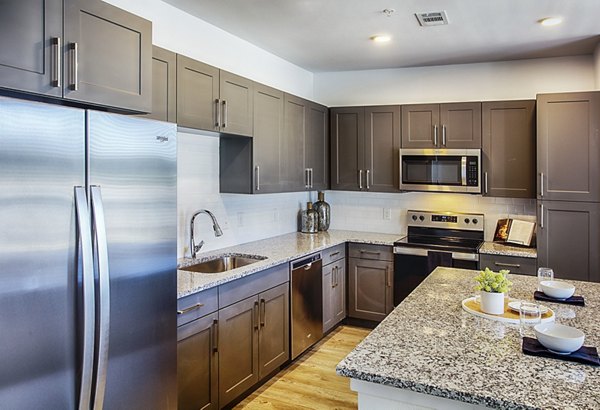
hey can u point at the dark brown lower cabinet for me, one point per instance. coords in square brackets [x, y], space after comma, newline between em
[197, 364]
[569, 239]
[334, 294]
[371, 288]
[253, 341]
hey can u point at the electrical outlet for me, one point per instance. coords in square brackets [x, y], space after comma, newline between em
[387, 214]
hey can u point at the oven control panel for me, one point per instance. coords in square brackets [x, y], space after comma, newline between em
[446, 220]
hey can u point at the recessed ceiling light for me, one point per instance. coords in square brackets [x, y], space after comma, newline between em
[551, 21]
[381, 39]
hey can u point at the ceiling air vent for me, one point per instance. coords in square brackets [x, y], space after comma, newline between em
[434, 18]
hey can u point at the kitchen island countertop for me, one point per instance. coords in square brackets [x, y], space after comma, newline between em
[428, 344]
[277, 250]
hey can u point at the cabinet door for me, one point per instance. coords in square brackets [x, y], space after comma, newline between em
[568, 239]
[370, 289]
[274, 335]
[197, 364]
[268, 134]
[294, 176]
[328, 296]
[197, 94]
[509, 149]
[316, 146]
[515, 264]
[164, 85]
[568, 146]
[382, 145]
[236, 100]
[339, 292]
[108, 56]
[460, 125]
[238, 349]
[347, 148]
[30, 57]
[420, 126]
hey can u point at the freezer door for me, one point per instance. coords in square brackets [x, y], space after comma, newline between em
[42, 160]
[133, 162]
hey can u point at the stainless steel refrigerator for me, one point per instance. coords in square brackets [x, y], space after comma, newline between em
[87, 259]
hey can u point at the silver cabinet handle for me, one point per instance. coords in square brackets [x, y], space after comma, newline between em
[190, 308]
[74, 50]
[257, 171]
[508, 265]
[312, 178]
[435, 135]
[367, 176]
[224, 113]
[541, 184]
[542, 216]
[263, 313]
[331, 255]
[370, 252]
[215, 336]
[444, 135]
[56, 58]
[99, 229]
[334, 277]
[217, 113]
[255, 315]
[84, 231]
[485, 180]
[388, 278]
[306, 183]
[360, 172]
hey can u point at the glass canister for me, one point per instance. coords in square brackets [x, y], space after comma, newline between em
[309, 220]
[324, 211]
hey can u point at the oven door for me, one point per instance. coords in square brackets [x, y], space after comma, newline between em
[413, 265]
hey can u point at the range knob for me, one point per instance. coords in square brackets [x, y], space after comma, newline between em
[421, 218]
[414, 217]
[475, 221]
[467, 220]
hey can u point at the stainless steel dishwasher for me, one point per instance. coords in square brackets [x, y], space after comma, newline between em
[307, 303]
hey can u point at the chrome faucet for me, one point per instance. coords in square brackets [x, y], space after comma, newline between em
[218, 232]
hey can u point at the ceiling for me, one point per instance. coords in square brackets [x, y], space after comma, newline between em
[334, 35]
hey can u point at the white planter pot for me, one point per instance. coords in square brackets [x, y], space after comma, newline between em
[492, 303]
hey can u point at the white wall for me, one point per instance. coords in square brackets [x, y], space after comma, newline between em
[521, 79]
[185, 34]
[597, 65]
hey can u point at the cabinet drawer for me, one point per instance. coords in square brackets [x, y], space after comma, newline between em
[333, 254]
[197, 305]
[251, 285]
[515, 264]
[375, 252]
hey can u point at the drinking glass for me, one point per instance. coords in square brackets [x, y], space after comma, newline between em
[544, 274]
[529, 316]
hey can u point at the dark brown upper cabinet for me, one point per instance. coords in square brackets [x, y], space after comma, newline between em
[164, 85]
[364, 148]
[316, 146]
[508, 148]
[568, 146]
[212, 99]
[453, 125]
[81, 50]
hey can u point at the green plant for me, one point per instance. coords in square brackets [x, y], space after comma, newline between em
[490, 281]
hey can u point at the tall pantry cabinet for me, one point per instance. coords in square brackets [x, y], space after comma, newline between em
[568, 184]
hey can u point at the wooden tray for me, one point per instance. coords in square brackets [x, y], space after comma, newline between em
[509, 316]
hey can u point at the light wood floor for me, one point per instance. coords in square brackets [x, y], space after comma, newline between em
[310, 382]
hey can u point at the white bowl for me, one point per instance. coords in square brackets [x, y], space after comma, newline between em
[559, 338]
[556, 289]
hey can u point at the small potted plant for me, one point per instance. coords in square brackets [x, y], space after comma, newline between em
[493, 286]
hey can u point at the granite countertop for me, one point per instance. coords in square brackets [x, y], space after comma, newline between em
[428, 344]
[277, 250]
[492, 248]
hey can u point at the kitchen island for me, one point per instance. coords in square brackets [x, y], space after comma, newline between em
[429, 353]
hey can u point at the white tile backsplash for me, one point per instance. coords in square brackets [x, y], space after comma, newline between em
[245, 218]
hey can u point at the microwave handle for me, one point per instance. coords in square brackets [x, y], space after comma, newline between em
[463, 170]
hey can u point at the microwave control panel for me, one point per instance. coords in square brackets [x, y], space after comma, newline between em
[472, 171]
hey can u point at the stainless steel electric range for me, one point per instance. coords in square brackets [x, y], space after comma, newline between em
[435, 239]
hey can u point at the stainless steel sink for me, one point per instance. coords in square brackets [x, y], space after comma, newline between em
[223, 263]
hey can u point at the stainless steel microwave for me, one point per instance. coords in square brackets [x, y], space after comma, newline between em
[442, 170]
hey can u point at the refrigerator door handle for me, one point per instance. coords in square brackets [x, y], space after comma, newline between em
[99, 229]
[84, 232]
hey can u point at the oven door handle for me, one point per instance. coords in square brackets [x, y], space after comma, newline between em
[400, 250]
